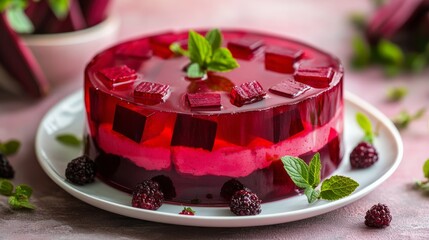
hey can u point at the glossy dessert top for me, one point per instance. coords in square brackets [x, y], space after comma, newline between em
[273, 71]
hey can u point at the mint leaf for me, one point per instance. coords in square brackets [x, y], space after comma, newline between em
[18, 20]
[69, 140]
[24, 190]
[4, 4]
[312, 194]
[297, 170]
[222, 61]
[415, 62]
[366, 126]
[10, 147]
[194, 71]
[403, 119]
[200, 50]
[20, 202]
[6, 187]
[395, 94]
[337, 187]
[214, 37]
[426, 169]
[60, 7]
[178, 50]
[314, 170]
[390, 53]
[361, 53]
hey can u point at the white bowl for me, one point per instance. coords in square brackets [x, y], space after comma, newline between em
[63, 56]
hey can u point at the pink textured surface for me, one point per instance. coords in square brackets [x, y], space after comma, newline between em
[325, 25]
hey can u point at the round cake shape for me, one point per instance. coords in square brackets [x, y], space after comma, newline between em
[146, 119]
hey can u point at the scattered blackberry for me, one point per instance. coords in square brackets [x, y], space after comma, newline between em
[187, 211]
[363, 155]
[147, 195]
[245, 203]
[166, 186]
[230, 187]
[6, 170]
[378, 216]
[81, 170]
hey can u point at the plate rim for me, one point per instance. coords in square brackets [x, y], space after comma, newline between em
[222, 221]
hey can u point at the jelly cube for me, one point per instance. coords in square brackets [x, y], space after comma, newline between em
[150, 92]
[129, 123]
[246, 93]
[194, 132]
[204, 100]
[245, 48]
[289, 88]
[282, 59]
[136, 49]
[315, 77]
[118, 75]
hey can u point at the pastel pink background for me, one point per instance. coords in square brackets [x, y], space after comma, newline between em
[320, 23]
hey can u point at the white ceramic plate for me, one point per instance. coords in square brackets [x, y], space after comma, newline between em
[68, 116]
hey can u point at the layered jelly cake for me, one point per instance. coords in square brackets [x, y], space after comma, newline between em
[146, 119]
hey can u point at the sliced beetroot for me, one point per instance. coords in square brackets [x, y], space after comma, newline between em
[289, 88]
[20, 63]
[129, 123]
[118, 75]
[282, 59]
[194, 132]
[94, 11]
[204, 101]
[315, 77]
[246, 93]
[245, 48]
[135, 49]
[150, 92]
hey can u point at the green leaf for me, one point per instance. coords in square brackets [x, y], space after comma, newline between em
[178, 50]
[404, 118]
[24, 190]
[19, 21]
[69, 140]
[214, 37]
[415, 62]
[426, 169]
[314, 170]
[297, 170]
[390, 53]
[60, 8]
[312, 194]
[337, 187]
[20, 202]
[222, 61]
[194, 71]
[366, 126]
[6, 187]
[361, 53]
[199, 49]
[10, 147]
[5, 4]
[395, 94]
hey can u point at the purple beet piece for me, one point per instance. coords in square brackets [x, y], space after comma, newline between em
[129, 123]
[117, 75]
[151, 92]
[282, 59]
[135, 49]
[289, 88]
[20, 63]
[246, 93]
[94, 11]
[315, 77]
[194, 132]
[245, 48]
[204, 100]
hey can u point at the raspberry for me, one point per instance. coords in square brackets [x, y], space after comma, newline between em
[6, 170]
[187, 211]
[147, 195]
[81, 170]
[230, 187]
[166, 186]
[363, 155]
[378, 216]
[245, 203]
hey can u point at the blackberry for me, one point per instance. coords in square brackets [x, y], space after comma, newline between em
[6, 170]
[81, 170]
[378, 216]
[230, 187]
[363, 155]
[147, 195]
[245, 203]
[166, 186]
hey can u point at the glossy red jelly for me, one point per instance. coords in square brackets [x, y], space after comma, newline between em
[192, 134]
